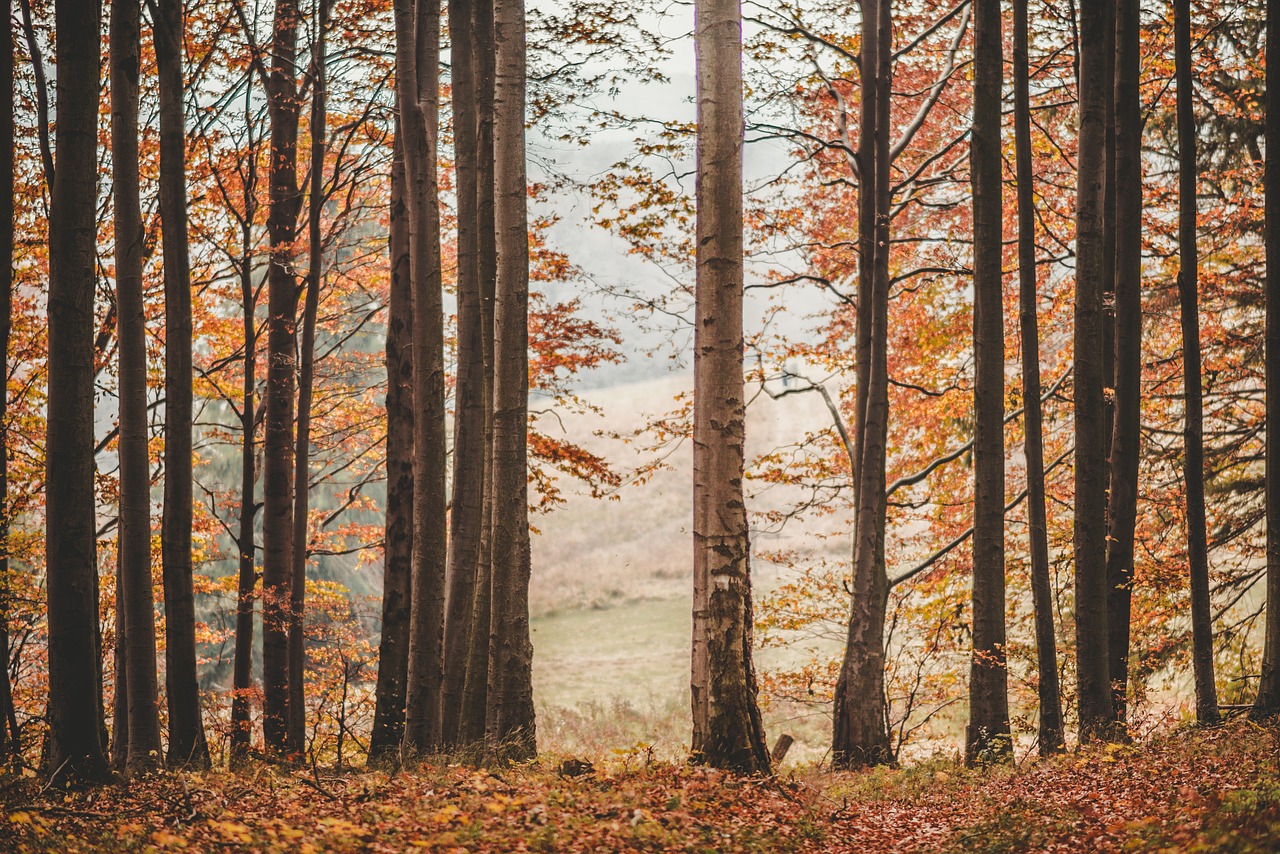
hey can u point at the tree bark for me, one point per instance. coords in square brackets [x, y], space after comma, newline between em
[393, 648]
[727, 729]
[1094, 703]
[75, 692]
[510, 731]
[1047, 689]
[247, 578]
[306, 380]
[1122, 504]
[1193, 425]
[1267, 703]
[187, 745]
[467, 504]
[10, 743]
[860, 733]
[134, 543]
[417, 86]
[282, 308]
[475, 690]
[988, 738]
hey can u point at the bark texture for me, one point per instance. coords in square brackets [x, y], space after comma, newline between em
[10, 737]
[134, 537]
[727, 729]
[75, 687]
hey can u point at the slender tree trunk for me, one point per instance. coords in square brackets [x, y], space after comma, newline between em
[1051, 729]
[1095, 706]
[75, 692]
[475, 690]
[727, 729]
[119, 753]
[467, 505]
[10, 745]
[282, 310]
[860, 733]
[306, 380]
[393, 648]
[1193, 427]
[510, 731]
[866, 228]
[1122, 505]
[1267, 703]
[417, 84]
[134, 550]
[988, 738]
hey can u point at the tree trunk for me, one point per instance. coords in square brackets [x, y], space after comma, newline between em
[987, 738]
[134, 543]
[10, 745]
[727, 730]
[119, 753]
[306, 379]
[509, 726]
[1051, 730]
[860, 734]
[282, 308]
[417, 85]
[75, 692]
[1095, 706]
[1193, 426]
[1122, 504]
[475, 690]
[1267, 703]
[393, 648]
[247, 579]
[467, 504]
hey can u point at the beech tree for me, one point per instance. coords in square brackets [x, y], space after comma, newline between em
[727, 728]
[1094, 696]
[509, 722]
[75, 749]
[142, 723]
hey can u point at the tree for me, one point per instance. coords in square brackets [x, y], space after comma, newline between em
[417, 90]
[1094, 703]
[1193, 429]
[10, 739]
[75, 676]
[727, 729]
[397, 555]
[1051, 730]
[306, 379]
[134, 547]
[509, 723]
[860, 736]
[282, 309]
[1122, 502]
[988, 734]
[466, 513]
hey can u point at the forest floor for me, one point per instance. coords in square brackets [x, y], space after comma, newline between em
[1215, 790]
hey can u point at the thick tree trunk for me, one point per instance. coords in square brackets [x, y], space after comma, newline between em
[475, 690]
[467, 504]
[1268, 699]
[393, 648]
[306, 380]
[727, 729]
[1193, 426]
[134, 544]
[75, 692]
[1047, 689]
[987, 737]
[860, 734]
[1095, 706]
[187, 743]
[417, 85]
[282, 308]
[509, 726]
[1122, 504]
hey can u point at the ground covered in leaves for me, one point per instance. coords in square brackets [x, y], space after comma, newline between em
[1216, 790]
